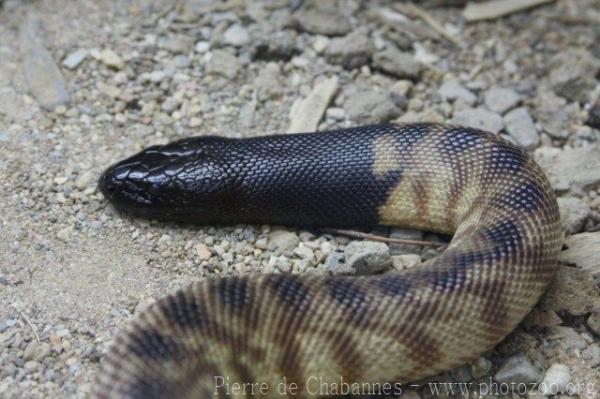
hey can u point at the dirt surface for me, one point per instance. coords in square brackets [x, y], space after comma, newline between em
[84, 84]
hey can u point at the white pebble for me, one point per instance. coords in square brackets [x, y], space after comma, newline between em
[73, 60]
[556, 380]
[236, 35]
[111, 59]
[500, 100]
[202, 47]
[336, 113]
[203, 252]
[157, 76]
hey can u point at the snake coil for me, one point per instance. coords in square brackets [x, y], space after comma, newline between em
[314, 331]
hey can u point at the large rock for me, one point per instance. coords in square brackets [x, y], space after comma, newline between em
[44, 78]
[571, 167]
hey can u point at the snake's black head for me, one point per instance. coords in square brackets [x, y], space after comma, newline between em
[183, 180]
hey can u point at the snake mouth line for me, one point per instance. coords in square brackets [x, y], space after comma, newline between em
[130, 196]
[136, 199]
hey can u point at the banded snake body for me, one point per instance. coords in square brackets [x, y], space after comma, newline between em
[395, 327]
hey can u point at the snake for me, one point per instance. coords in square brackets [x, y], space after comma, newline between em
[310, 335]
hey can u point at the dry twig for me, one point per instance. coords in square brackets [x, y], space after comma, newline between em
[31, 326]
[373, 237]
[428, 19]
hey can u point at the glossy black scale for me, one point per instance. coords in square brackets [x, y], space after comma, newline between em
[310, 179]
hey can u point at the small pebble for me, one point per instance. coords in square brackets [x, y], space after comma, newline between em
[304, 252]
[157, 76]
[195, 122]
[236, 35]
[481, 367]
[520, 126]
[351, 51]
[282, 240]
[593, 322]
[202, 47]
[479, 118]
[367, 257]
[73, 60]
[224, 64]
[204, 253]
[397, 63]
[65, 234]
[557, 377]
[335, 262]
[321, 43]
[402, 88]
[594, 116]
[372, 106]
[336, 113]
[518, 370]
[36, 351]
[574, 212]
[500, 100]
[111, 59]
[406, 261]
[31, 366]
[592, 354]
[453, 90]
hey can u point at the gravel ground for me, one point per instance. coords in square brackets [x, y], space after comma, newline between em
[83, 84]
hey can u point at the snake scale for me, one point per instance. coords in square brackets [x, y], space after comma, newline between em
[306, 331]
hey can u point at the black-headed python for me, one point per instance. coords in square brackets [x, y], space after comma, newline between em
[303, 331]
